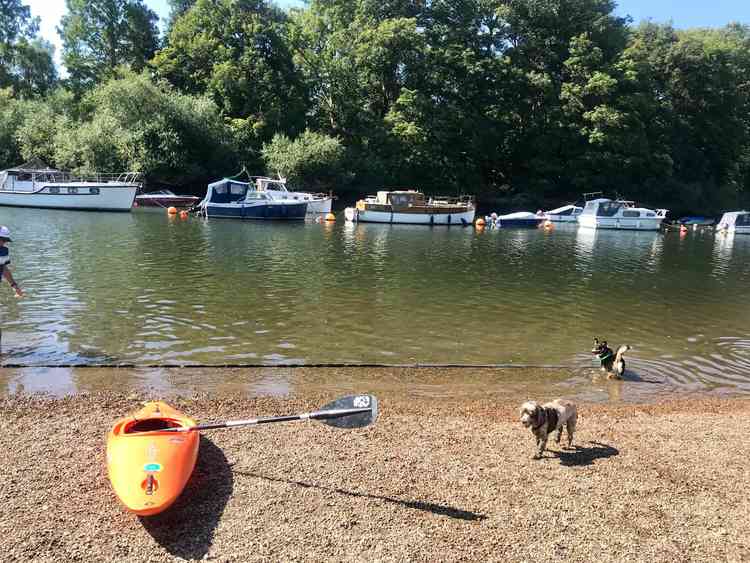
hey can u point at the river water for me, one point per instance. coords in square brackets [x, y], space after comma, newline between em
[146, 289]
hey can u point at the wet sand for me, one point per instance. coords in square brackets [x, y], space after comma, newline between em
[436, 479]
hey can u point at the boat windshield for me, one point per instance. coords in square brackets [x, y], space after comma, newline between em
[609, 208]
[743, 220]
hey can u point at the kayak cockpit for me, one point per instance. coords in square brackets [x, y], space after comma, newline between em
[148, 425]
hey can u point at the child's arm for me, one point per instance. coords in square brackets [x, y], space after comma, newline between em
[9, 277]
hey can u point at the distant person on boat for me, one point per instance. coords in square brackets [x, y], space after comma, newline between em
[5, 261]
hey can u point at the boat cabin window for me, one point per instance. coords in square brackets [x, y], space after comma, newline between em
[405, 199]
[228, 192]
[631, 214]
[255, 195]
[608, 208]
[649, 214]
[743, 220]
[565, 212]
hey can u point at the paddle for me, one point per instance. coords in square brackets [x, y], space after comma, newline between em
[354, 411]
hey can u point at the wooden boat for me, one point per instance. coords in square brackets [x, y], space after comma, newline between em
[412, 207]
[149, 469]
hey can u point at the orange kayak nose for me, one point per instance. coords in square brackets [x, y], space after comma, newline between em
[149, 468]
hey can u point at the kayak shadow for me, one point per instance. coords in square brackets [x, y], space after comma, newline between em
[186, 529]
[439, 509]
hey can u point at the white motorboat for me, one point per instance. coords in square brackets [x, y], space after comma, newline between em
[276, 188]
[603, 213]
[36, 185]
[412, 207]
[735, 222]
[564, 214]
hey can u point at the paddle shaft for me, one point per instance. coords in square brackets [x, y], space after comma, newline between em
[317, 415]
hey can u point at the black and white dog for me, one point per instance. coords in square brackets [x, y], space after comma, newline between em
[613, 363]
[547, 418]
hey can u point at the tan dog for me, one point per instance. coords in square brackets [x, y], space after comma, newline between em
[545, 419]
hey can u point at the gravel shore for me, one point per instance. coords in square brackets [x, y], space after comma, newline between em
[433, 480]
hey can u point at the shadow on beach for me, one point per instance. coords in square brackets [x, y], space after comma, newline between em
[586, 455]
[186, 529]
[439, 509]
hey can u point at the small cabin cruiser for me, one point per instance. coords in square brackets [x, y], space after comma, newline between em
[735, 222]
[240, 200]
[164, 198]
[34, 184]
[316, 203]
[564, 214]
[603, 213]
[519, 220]
[412, 207]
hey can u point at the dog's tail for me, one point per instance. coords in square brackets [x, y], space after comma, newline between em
[621, 352]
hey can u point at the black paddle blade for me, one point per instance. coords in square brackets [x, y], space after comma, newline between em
[356, 420]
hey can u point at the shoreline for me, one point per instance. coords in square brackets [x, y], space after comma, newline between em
[435, 479]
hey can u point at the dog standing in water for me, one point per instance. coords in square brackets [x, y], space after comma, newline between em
[613, 363]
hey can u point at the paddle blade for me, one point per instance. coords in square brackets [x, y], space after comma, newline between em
[357, 420]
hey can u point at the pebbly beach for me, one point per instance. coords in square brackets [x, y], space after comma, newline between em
[436, 479]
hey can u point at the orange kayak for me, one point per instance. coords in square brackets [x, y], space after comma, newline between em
[148, 471]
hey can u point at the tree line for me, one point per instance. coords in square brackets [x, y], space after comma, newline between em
[524, 103]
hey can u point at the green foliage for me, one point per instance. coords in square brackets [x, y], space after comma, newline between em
[25, 62]
[310, 160]
[101, 35]
[236, 52]
[522, 101]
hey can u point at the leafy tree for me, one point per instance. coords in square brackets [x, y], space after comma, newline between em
[25, 62]
[101, 35]
[312, 159]
[134, 124]
[236, 52]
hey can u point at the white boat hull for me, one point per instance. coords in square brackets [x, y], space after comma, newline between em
[620, 223]
[562, 218]
[76, 195]
[366, 216]
[319, 206]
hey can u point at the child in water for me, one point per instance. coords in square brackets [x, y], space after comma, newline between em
[5, 261]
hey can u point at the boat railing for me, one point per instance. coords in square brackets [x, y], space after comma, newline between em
[57, 177]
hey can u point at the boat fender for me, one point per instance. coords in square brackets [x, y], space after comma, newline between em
[464, 222]
[432, 220]
[449, 219]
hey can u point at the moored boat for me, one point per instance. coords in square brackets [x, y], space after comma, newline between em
[148, 468]
[735, 222]
[164, 198]
[518, 220]
[276, 188]
[241, 200]
[36, 185]
[412, 207]
[564, 214]
[604, 213]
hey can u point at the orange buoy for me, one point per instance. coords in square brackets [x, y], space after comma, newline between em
[183, 214]
[172, 210]
[148, 468]
[330, 217]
